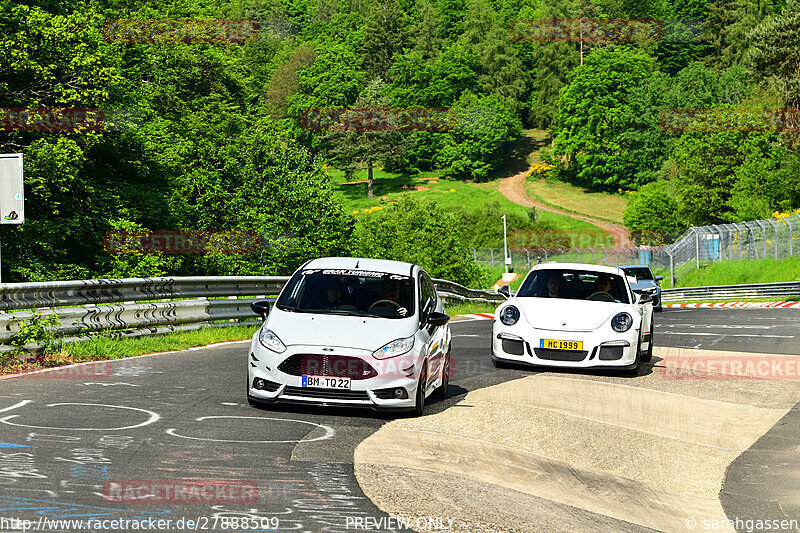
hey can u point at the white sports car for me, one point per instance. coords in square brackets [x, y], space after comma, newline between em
[574, 315]
[353, 332]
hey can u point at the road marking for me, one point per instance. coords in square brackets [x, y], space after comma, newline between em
[329, 431]
[20, 404]
[153, 417]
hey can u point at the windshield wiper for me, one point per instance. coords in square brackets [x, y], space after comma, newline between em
[290, 308]
[345, 312]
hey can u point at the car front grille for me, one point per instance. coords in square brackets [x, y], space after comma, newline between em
[560, 355]
[339, 366]
[325, 394]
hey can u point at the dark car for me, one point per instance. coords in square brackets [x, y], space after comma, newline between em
[645, 280]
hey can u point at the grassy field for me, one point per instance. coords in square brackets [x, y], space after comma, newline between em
[603, 206]
[734, 272]
[470, 308]
[450, 194]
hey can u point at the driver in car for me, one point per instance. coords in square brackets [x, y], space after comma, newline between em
[604, 285]
[390, 290]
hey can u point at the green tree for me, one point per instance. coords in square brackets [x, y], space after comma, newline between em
[421, 233]
[386, 33]
[590, 124]
[360, 145]
[652, 214]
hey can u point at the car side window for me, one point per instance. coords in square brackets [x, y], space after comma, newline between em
[432, 300]
[424, 294]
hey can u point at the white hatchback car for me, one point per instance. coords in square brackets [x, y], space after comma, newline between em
[352, 332]
[576, 316]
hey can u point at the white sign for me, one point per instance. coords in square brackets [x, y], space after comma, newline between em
[12, 193]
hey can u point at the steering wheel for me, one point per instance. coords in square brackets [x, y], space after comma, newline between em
[384, 303]
[601, 297]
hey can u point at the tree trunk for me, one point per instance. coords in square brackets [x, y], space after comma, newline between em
[370, 181]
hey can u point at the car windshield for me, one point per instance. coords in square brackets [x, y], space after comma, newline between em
[575, 285]
[349, 292]
[639, 273]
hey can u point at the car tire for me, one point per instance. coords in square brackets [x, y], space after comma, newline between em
[648, 355]
[419, 404]
[658, 309]
[634, 370]
[441, 392]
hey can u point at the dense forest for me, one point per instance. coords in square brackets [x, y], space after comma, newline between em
[213, 136]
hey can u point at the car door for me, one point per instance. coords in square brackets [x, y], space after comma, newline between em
[436, 342]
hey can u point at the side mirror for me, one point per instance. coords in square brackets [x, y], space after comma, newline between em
[659, 278]
[505, 291]
[261, 308]
[438, 319]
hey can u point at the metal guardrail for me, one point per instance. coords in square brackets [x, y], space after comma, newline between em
[134, 307]
[452, 292]
[756, 290]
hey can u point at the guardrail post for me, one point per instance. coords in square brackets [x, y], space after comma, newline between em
[776, 238]
[790, 236]
[491, 252]
[697, 247]
[528, 259]
[671, 270]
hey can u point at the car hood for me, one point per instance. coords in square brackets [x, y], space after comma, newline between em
[568, 315]
[366, 333]
[643, 284]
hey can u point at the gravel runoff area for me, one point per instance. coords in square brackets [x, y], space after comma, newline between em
[558, 451]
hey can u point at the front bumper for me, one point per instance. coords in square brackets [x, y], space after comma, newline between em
[378, 392]
[599, 350]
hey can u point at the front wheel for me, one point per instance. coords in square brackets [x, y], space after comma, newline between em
[441, 392]
[419, 405]
[634, 370]
[648, 355]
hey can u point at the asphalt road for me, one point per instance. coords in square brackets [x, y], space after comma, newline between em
[66, 440]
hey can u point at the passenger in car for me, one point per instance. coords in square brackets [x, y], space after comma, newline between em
[554, 288]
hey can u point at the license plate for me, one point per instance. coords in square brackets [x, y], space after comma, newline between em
[560, 345]
[325, 382]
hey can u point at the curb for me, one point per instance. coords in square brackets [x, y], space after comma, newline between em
[737, 305]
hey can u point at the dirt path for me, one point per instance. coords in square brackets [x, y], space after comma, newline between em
[513, 188]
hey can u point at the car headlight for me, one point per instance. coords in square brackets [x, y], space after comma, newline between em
[269, 340]
[394, 348]
[509, 315]
[622, 322]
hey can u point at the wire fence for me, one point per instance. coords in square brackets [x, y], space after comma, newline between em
[777, 238]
